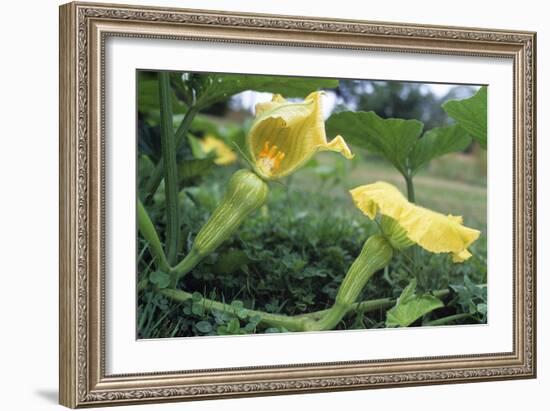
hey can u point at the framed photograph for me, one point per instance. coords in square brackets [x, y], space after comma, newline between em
[260, 204]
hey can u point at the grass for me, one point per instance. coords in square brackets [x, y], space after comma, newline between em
[455, 184]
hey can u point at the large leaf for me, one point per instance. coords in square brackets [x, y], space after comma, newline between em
[211, 88]
[410, 307]
[392, 138]
[225, 85]
[471, 114]
[437, 142]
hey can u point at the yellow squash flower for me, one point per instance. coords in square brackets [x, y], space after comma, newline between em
[224, 155]
[432, 231]
[284, 136]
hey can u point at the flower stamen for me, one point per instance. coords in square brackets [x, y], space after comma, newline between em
[269, 159]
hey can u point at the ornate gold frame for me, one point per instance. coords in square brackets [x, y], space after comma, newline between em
[83, 30]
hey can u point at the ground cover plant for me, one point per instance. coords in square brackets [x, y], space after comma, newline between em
[276, 204]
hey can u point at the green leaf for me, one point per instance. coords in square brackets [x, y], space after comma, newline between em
[437, 142]
[237, 305]
[392, 138]
[410, 307]
[482, 308]
[234, 326]
[204, 327]
[160, 279]
[191, 169]
[198, 309]
[217, 87]
[471, 114]
[470, 296]
[230, 261]
[145, 166]
[408, 293]
[479, 291]
[148, 98]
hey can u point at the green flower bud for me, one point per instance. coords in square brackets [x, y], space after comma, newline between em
[245, 193]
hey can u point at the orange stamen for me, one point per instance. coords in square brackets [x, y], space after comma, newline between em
[270, 158]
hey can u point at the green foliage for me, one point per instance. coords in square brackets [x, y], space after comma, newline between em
[410, 307]
[392, 138]
[194, 168]
[160, 279]
[471, 114]
[435, 143]
[471, 298]
[204, 327]
[148, 95]
[398, 140]
[207, 89]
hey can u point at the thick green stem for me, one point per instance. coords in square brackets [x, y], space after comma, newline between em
[330, 319]
[412, 199]
[295, 323]
[147, 230]
[369, 305]
[185, 265]
[157, 174]
[375, 255]
[449, 319]
[410, 188]
[168, 144]
[272, 320]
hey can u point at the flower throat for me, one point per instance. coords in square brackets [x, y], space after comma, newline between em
[270, 158]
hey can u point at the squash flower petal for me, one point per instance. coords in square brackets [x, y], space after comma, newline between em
[285, 135]
[224, 154]
[432, 231]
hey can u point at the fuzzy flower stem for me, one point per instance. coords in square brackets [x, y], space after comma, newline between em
[375, 255]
